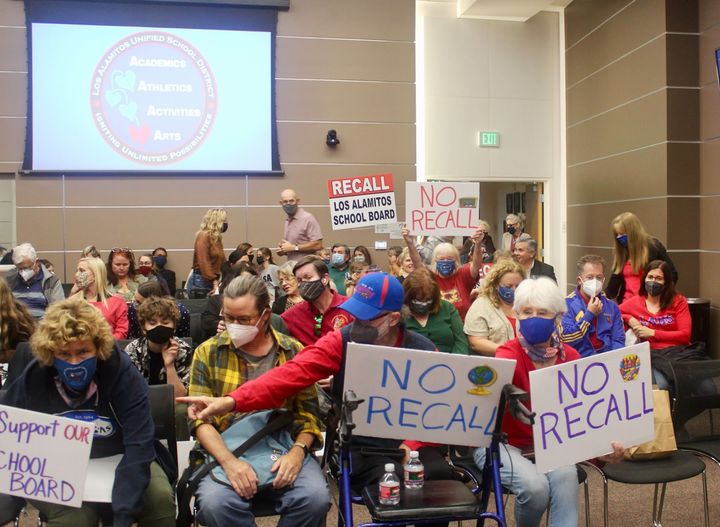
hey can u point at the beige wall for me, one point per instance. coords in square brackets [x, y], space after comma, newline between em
[341, 64]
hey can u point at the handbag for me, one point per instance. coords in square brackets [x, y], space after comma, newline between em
[663, 445]
[201, 463]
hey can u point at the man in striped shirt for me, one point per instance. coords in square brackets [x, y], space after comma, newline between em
[32, 283]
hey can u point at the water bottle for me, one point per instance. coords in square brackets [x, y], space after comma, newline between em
[389, 486]
[414, 472]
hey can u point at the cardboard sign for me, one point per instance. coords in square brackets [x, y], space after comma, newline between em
[584, 405]
[425, 395]
[442, 209]
[361, 201]
[43, 457]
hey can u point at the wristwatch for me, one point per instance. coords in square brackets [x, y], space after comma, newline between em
[303, 446]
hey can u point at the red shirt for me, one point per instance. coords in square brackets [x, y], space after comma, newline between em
[300, 319]
[632, 281]
[116, 314]
[673, 326]
[519, 434]
[456, 288]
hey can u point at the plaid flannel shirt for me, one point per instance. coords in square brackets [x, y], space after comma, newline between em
[217, 369]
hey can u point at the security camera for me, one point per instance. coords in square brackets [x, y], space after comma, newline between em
[332, 139]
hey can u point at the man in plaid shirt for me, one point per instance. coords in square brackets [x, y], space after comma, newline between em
[248, 348]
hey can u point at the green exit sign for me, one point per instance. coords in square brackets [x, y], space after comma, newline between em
[489, 139]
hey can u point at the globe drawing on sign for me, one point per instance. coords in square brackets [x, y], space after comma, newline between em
[481, 377]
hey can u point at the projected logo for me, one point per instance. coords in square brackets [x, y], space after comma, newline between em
[153, 98]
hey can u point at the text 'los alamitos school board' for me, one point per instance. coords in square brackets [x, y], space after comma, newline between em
[361, 201]
[442, 209]
[584, 405]
[43, 457]
[425, 395]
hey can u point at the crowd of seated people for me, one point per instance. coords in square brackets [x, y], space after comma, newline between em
[274, 330]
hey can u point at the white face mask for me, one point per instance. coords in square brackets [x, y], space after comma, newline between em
[240, 334]
[592, 287]
[27, 274]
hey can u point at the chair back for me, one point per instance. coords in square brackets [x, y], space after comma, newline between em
[195, 305]
[162, 408]
[696, 410]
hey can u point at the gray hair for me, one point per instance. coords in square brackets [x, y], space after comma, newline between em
[249, 285]
[483, 223]
[592, 259]
[539, 292]
[514, 218]
[532, 244]
[22, 251]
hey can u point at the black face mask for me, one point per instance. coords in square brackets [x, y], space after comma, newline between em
[224, 227]
[363, 333]
[420, 307]
[511, 230]
[260, 260]
[311, 290]
[160, 334]
[250, 257]
[654, 288]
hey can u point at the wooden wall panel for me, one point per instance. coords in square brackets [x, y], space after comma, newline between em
[14, 94]
[12, 143]
[584, 16]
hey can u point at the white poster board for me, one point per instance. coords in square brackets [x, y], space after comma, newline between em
[425, 395]
[584, 405]
[43, 457]
[442, 209]
[361, 201]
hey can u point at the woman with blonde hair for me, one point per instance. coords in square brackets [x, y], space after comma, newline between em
[491, 321]
[633, 250]
[91, 285]
[209, 254]
[79, 372]
[405, 264]
[16, 323]
[289, 286]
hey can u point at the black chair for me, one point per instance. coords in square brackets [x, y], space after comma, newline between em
[162, 408]
[67, 288]
[195, 305]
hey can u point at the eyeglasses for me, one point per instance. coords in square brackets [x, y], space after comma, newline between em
[243, 321]
[121, 250]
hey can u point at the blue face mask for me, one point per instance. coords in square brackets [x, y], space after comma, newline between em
[445, 267]
[537, 330]
[337, 259]
[622, 240]
[76, 376]
[506, 294]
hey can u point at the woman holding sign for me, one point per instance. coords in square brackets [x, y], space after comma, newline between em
[455, 281]
[539, 305]
[81, 375]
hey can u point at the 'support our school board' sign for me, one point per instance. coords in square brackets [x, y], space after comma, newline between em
[584, 405]
[43, 457]
[442, 209]
[361, 201]
[425, 395]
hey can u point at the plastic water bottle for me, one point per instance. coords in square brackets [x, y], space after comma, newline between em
[414, 472]
[389, 486]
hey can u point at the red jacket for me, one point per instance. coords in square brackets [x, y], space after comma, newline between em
[300, 319]
[519, 434]
[116, 314]
[673, 326]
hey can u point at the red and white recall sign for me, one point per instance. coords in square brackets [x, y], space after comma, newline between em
[442, 209]
[362, 201]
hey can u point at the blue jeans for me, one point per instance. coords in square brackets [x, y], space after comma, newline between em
[305, 504]
[534, 492]
[197, 281]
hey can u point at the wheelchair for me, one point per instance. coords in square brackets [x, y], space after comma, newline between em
[438, 500]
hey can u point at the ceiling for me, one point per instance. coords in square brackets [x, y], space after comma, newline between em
[517, 10]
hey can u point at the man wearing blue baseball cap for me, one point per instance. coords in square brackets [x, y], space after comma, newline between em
[376, 305]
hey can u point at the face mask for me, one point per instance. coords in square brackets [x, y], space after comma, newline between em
[160, 334]
[511, 230]
[445, 267]
[144, 270]
[160, 261]
[290, 210]
[311, 290]
[592, 287]
[27, 274]
[622, 240]
[364, 333]
[241, 334]
[537, 330]
[506, 294]
[654, 288]
[224, 227]
[359, 259]
[260, 260]
[337, 259]
[76, 376]
[420, 307]
[326, 261]
[82, 279]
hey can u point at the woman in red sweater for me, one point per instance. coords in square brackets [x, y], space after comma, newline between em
[91, 285]
[659, 314]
